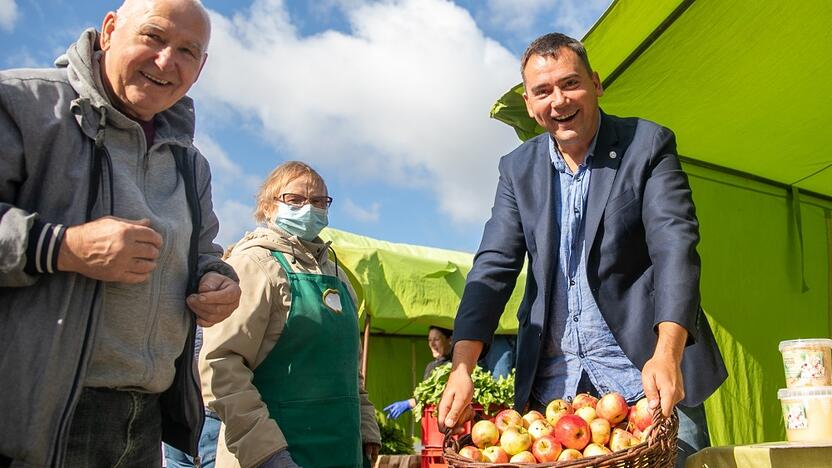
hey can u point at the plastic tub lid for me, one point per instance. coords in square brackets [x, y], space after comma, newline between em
[808, 342]
[804, 392]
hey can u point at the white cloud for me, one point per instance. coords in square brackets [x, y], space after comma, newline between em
[404, 98]
[362, 213]
[229, 183]
[8, 14]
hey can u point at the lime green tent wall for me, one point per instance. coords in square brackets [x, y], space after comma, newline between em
[744, 86]
[405, 289]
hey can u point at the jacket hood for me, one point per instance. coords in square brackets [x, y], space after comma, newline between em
[276, 239]
[93, 108]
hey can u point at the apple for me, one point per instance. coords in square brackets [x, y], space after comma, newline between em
[540, 428]
[470, 452]
[546, 449]
[570, 454]
[593, 450]
[523, 457]
[587, 413]
[485, 434]
[507, 418]
[612, 407]
[622, 440]
[531, 417]
[494, 454]
[583, 399]
[557, 408]
[600, 429]
[515, 440]
[572, 432]
[645, 434]
[640, 415]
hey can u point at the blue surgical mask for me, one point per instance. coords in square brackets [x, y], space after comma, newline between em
[305, 221]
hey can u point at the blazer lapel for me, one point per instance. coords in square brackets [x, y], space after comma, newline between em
[547, 234]
[605, 164]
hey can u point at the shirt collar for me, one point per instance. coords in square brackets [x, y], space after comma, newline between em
[557, 157]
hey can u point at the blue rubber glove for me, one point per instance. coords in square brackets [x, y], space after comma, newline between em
[397, 409]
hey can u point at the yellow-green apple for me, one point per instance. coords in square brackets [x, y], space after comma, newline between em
[600, 429]
[612, 407]
[531, 417]
[583, 399]
[523, 457]
[540, 428]
[546, 449]
[570, 454]
[515, 439]
[507, 418]
[572, 432]
[593, 450]
[587, 413]
[470, 452]
[622, 440]
[640, 415]
[485, 434]
[494, 454]
[557, 408]
[645, 434]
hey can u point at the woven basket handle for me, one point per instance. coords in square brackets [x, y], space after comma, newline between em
[662, 425]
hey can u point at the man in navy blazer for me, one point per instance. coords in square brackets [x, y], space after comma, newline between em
[617, 307]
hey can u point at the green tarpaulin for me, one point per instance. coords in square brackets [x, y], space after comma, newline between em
[743, 85]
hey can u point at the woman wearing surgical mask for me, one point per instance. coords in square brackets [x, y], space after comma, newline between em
[283, 371]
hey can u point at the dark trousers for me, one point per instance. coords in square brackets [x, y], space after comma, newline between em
[112, 428]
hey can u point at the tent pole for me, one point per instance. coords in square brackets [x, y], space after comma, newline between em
[366, 347]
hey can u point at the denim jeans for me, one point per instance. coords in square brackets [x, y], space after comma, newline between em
[175, 458]
[112, 428]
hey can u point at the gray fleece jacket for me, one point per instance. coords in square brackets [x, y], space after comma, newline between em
[62, 331]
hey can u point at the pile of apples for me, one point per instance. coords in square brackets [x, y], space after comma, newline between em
[586, 427]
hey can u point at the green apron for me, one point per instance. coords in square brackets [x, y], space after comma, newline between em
[309, 381]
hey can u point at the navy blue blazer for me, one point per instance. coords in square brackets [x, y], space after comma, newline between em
[642, 265]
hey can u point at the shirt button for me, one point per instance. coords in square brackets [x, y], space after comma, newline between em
[577, 211]
[581, 355]
[571, 282]
[575, 319]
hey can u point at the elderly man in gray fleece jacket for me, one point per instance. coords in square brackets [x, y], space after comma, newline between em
[107, 261]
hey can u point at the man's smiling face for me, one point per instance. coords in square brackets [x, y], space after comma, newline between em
[153, 54]
[562, 96]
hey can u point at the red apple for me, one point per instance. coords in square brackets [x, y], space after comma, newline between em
[612, 407]
[557, 408]
[485, 434]
[515, 440]
[622, 440]
[587, 413]
[494, 454]
[593, 450]
[523, 457]
[572, 432]
[531, 417]
[570, 454]
[507, 418]
[540, 428]
[470, 452]
[583, 399]
[640, 415]
[600, 429]
[546, 449]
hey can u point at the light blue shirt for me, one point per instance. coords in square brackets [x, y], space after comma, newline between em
[578, 336]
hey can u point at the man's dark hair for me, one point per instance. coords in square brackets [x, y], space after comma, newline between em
[444, 331]
[549, 45]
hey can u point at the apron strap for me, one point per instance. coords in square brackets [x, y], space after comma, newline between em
[281, 259]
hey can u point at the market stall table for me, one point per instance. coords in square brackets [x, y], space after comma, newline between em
[768, 455]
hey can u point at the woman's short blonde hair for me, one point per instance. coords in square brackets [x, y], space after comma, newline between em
[277, 180]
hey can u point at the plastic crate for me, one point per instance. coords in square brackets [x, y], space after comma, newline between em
[433, 458]
[431, 437]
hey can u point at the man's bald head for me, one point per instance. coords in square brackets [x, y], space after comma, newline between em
[153, 52]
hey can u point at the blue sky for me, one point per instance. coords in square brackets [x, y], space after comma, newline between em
[388, 100]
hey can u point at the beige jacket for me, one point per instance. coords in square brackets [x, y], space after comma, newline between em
[235, 347]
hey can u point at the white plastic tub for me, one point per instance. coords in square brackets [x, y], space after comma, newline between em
[807, 413]
[808, 363]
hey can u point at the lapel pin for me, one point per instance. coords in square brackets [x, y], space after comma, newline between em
[613, 154]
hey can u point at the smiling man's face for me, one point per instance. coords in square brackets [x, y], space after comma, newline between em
[153, 54]
[562, 96]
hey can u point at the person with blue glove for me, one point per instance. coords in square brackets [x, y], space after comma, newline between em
[439, 341]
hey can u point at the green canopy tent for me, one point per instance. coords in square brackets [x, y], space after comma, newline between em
[402, 290]
[742, 83]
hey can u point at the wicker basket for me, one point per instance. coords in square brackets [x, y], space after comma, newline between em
[659, 451]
